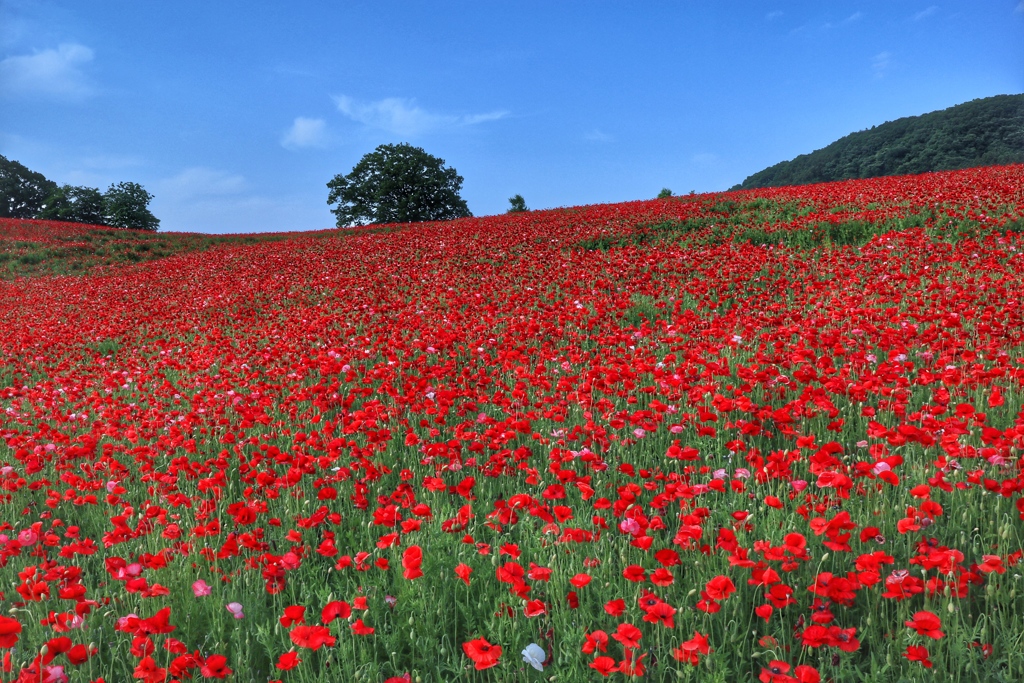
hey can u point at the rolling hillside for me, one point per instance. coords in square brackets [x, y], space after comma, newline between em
[982, 132]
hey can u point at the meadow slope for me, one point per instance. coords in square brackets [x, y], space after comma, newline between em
[766, 435]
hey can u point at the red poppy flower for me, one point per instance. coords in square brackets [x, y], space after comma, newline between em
[776, 672]
[483, 654]
[598, 640]
[148, 670]
[463, 571]
[604, 665]
[806, 674]
[667, 557]
[662, 577]
[539, 573]
[580, 580]
[720, 588]
[632, 667]
[312, 637]
[534, 608]
[79, 654]
[615, 607]
[629, 635]
[634, 573]
[215, 666]
[926, 624]
[361, 629]
[9, 630]
[691, 650]
[992, 563]
[918, 653]
[412, 558]
[294, 614]
[661, 613]
[288, 661]
[337, 609]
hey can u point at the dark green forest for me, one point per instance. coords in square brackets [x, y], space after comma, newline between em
[981, 132]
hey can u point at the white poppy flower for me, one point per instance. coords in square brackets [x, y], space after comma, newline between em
[534, 655]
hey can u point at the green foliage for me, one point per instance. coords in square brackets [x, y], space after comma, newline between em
[76, 205]
[982, 132]
[78, 252]
[397, 184]
[849, 233]
[518, 204]
[665, 193]
[127, 206]
[711, 228]
[22, 192]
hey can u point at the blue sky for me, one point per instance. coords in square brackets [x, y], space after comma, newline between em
[236, 114]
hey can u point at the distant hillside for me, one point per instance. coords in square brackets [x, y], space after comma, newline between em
[983, 132]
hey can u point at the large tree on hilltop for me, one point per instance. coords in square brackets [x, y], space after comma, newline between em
[75, 204]
[128, 207]
[397, 184]
[22, 192]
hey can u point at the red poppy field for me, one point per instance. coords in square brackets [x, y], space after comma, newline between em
[771, 435]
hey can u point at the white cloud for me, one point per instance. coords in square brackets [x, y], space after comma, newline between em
[405, 117]
[856, 16]
[305, 132]
[1020, 7]
[197, 182]
[597, 135]
[241, 213]
[704, 158]
[880, 63]
[928, 11]
[775, 14]
[53, 72]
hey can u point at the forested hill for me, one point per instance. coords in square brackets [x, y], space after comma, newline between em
[981, 132]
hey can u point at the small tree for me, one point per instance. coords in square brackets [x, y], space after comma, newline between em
[22, 192]
[665, 193]
[518, 204]
[127, 206]
[397, 184]
[75, 204]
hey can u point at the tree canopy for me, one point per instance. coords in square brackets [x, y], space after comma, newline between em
[76, 205]
[397, 184]
[22, 191]
[128, 207]
[517, 204]
[983, 132]
[27, 194]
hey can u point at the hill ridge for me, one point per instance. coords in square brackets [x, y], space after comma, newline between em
[983, 132]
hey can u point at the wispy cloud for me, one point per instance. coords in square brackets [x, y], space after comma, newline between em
[856, 16]
[305, 133]
[597, 135]
[56, 73]
[774, 14]
[880, 63]
[929, 11]
[1020, 7]
[241, 213]
[404, 117]
[199, 182]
